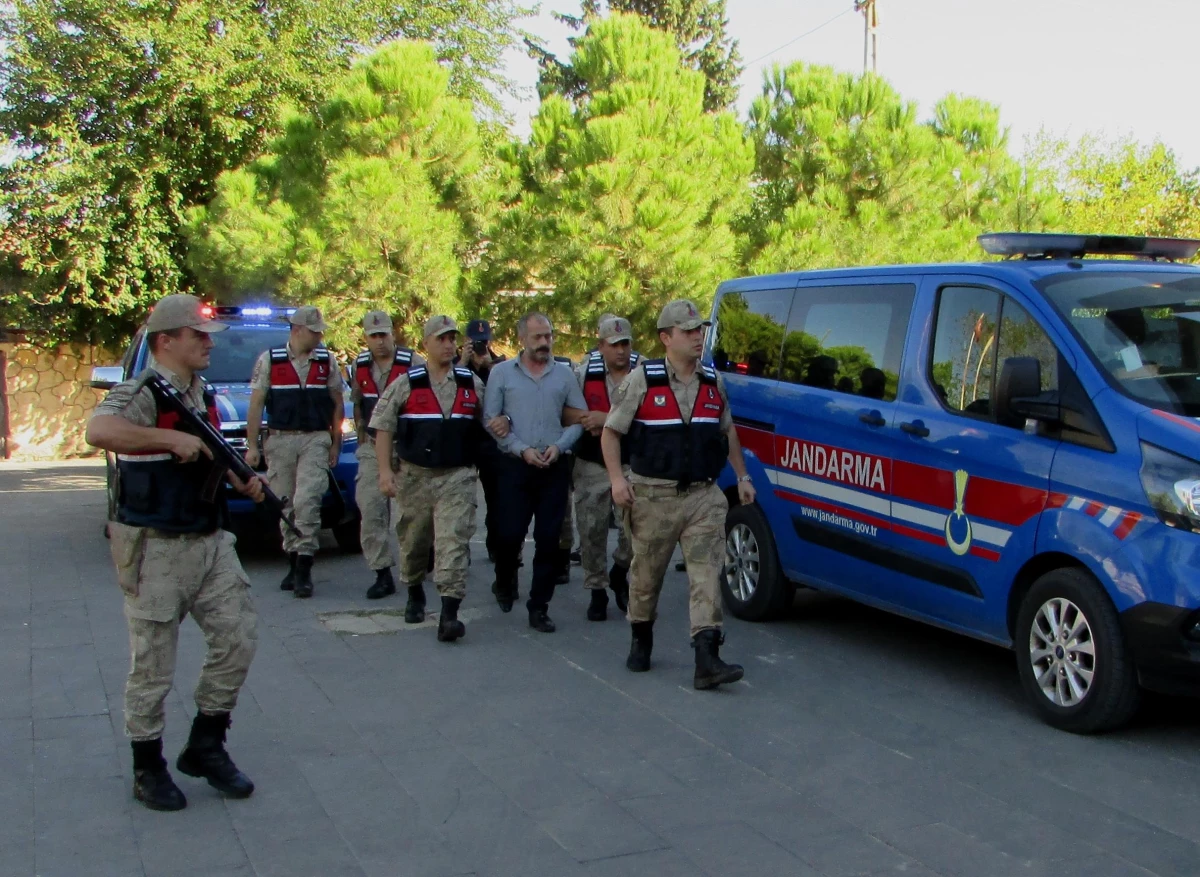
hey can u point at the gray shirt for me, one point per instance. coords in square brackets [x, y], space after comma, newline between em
[534, 405]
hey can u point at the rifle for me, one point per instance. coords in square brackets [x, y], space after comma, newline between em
[225, 456]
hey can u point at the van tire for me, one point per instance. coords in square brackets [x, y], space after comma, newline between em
[773, 593]
[1112, 697]
[348, 536]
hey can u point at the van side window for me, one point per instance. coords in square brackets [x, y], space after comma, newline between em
[964, 348]
[968, 352]
[749, 332]
[848, 339]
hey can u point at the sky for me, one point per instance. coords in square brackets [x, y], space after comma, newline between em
[1115, 68]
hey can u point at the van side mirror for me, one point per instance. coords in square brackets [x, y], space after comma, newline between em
[1019, 394]
[105, 377]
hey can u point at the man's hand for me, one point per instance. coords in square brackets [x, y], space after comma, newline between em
[335, 451]
[622, 494]
[593, 421]
[252, 488]
[498, 426]
[188, 447]
[550, 455]
[533, 458]
[387, 483]
[252, 457]
[746, 492]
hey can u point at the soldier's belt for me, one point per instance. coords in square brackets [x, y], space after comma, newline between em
[151, 533]
[655, 491]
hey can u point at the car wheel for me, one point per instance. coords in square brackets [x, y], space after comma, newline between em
[347, 536]
[752, 581]
[1072, 656]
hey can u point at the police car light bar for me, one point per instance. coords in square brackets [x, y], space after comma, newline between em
[1076, 246]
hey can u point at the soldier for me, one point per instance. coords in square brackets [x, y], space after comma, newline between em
[680, 432]
[174, 560]
[375, 370]
[600, 373]
[301, 387]
[434, 413]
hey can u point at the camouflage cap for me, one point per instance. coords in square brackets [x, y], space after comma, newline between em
[439, 325]
[614, 329]
[681, 313]
[182, 312]
[377, 323]
[308, 316]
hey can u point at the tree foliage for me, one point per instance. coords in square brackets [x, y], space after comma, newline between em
[119, 117]
[1120, 187]
[700, 29]
[620, 202]
[846, 174]
[374, 200]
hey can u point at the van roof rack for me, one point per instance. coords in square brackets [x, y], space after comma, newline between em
[1022, 245]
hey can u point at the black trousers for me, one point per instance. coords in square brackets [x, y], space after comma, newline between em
[488, 464]
[528, 493]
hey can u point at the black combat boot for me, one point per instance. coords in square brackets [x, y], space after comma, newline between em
[576, 557]
[506, 593]
[289, 580]
[152, 783]
[618, 580]
[598, 609]
[540, 621]
[711, 671]
[205, 757]
[384, 585]
[449, 627]
[641, 647]
[303, 588]
[414, 609]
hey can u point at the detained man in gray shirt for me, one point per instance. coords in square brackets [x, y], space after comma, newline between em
[524, 408]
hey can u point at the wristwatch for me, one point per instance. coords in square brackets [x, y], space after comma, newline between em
[747, 478]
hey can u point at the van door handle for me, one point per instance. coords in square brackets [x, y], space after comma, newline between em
[916, 428]
[872, 418]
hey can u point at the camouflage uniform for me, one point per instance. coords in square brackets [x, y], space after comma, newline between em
[165, 577]
[298, 462]
[432, 505]
[662, 516]
[375, 532]
[593, 508]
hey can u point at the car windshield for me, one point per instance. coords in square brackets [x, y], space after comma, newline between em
[237, 349]
[1143, 328]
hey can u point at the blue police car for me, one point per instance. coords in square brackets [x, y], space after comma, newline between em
[1007, 449]
[252, 330]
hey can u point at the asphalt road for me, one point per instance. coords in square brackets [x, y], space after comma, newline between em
[858, 744]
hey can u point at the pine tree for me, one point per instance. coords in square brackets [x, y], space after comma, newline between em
[621, 201]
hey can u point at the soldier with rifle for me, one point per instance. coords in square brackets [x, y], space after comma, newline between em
[172, 556]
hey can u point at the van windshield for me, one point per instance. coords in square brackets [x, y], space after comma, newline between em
[237, 349]
[1143, 328]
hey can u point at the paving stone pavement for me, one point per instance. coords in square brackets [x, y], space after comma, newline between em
[858, 744]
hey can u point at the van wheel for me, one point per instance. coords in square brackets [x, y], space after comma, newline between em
[347, 536]
[1072, 656]
[752, 580]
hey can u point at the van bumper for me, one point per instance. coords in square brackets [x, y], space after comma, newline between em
[1165, 642]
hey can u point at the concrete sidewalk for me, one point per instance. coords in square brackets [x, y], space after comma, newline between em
[859, 744]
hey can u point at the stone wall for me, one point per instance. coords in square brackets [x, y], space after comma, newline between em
[49, 399]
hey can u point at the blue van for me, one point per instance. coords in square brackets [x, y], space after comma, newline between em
[1007, 449]
[252, 330]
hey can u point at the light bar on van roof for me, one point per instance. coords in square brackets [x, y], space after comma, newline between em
[253, 311]
[1076, 246]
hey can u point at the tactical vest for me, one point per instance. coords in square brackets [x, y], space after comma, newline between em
[155, 490]
[425, 437]
[364, 377]
[293, 405]
[595, 392]
[662, 445]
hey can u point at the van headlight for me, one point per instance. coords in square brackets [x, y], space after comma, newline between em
[1172, 485]
[348, 427]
